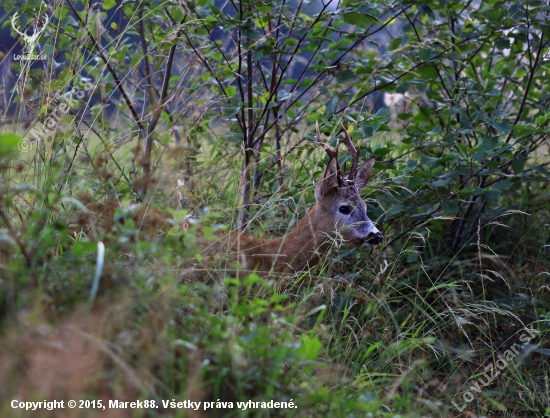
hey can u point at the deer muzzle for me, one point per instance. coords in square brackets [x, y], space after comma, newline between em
[374, 237]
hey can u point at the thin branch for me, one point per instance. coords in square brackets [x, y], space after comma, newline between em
[532, 71]
[111, 70]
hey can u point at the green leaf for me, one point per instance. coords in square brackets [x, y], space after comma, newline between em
[502, 43]
[492, 196]
[541, 120]
[425, 54]
[449, 207]
[283, 95]
[397, 209]
[381, 151]
[109, 4]
[81, 248]
[261, 51]
[359, 19]
[518, 163]
[412, 164]
[346, 76]
[489, 143]
[9, 143]
[309, 348]
[396, 43]
[521, 130]
[324, 91]
[233, 108]
[415, 181]
[479, 154]
[383, 113]
[502, 185]
[403, 88]
[502, 128]
[231, 91]
[542, 170]
[251, 278]
[331, 106]
[427, 72]
[367, 131]
[290, 41]
[404, 116]
[425, 10]
[441, 182]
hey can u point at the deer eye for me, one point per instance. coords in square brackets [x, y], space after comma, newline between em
[345, 210]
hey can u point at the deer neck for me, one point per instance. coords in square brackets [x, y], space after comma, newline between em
[302, 246]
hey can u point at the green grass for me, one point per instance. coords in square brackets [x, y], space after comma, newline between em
[403, 330]
[368, 333]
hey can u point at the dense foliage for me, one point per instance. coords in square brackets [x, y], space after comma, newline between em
[208, 108]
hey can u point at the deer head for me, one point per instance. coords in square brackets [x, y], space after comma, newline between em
[30, 40]
[338, 196]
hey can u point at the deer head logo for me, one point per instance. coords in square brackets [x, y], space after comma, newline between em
[30, 40]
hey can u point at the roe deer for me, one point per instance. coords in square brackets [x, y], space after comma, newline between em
[339, 212]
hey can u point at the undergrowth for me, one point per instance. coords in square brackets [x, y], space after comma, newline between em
[208, 113]
[373, 331]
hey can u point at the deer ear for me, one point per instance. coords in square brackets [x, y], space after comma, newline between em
[363, 174]
[329, 180]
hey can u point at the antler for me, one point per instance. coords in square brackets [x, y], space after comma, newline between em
[354, 154]
[46, 20]
[331, 153]
[36, 32]
[13, 24]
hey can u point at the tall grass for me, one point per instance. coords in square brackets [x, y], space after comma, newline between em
[367, 333]
[404, 329]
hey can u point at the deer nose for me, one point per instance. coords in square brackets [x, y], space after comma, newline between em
[374, 238]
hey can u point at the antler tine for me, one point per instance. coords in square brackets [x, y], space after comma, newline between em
[353, 151]
[13, 20]
[331, 153]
